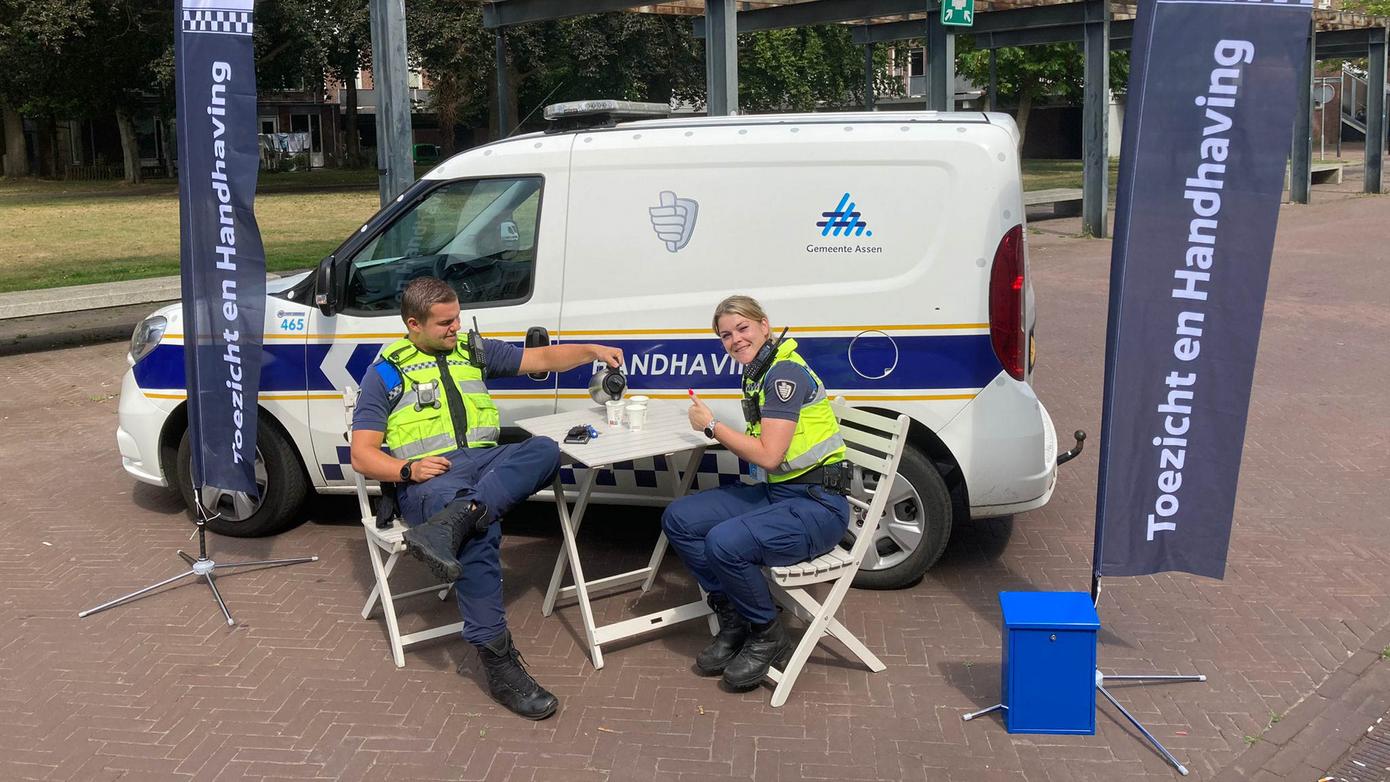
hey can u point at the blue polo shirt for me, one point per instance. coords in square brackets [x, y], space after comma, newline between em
[788, 387]
[500, 359]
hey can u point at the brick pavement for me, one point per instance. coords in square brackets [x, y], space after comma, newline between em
[304, 688]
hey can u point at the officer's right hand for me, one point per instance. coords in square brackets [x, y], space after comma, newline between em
[428, 467]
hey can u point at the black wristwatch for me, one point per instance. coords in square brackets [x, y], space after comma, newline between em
[405, 470]
[709, 428]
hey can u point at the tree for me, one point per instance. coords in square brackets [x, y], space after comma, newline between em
[1372, 7]
[1034, 72]
[806, 68]
[340, 32]
[34, 35]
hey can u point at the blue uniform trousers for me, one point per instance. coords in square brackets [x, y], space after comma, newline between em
[726, 535]
[500, 478]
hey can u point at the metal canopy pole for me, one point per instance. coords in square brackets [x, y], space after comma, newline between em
[991, 102]
[504, 124]
[1300, 161]
[941, 61]
[1094, 111]
[868, 77]
[391, 82]
[721, 56]
[1375, 108]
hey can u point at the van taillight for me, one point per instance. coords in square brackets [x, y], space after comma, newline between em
[1006, 304]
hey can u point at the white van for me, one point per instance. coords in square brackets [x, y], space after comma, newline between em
[891, 244]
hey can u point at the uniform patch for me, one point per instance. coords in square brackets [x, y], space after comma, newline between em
[784, 389]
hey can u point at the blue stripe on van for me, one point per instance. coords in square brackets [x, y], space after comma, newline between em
[922, 362]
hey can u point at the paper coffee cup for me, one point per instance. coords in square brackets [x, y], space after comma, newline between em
[614, 410]
[638, 400]
[636, 417]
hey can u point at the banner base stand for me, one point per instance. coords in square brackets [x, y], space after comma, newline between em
[1101, 679]
[201, 567]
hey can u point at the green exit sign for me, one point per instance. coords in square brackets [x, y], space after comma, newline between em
[960, 13]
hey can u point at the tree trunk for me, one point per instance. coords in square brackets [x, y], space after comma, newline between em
[1025, 106]
[445, 95]
[130, 154]
[16, 151]
[354, 142]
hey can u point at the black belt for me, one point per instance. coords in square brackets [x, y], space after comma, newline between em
[814, 476]
[835, 477]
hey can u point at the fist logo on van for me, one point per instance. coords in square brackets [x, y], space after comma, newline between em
[674, 220]
[843, 221]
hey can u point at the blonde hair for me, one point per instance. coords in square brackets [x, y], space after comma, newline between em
[747, 306]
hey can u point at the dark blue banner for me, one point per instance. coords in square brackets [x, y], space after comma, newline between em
[220, 253]
[1212, 95]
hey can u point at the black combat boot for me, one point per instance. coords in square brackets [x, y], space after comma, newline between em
[763, 648]
[436, 542]
[733, 631]
[508, 682]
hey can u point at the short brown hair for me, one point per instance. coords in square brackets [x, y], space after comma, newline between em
[423, 293]
[747, 306]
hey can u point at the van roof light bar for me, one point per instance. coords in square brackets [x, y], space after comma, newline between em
[575, 114]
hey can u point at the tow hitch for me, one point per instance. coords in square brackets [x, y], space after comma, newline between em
[1063, 458]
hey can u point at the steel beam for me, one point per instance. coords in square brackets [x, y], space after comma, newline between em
[1375, 109]
[1060, 15]
[391, 82]
[1300, 159]
[1095, 110]
[868, 77]
[721, 57]
[941, 62]
[815, 12]
[502, 13]
[504, 122]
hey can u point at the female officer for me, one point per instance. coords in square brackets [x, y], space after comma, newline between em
[726, 535]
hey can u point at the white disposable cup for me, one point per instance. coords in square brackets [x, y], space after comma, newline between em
[636, 417]
[615, 412]
[638, 400]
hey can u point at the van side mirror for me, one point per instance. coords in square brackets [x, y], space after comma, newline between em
[325, 289]
[509, 238]
[537, 337]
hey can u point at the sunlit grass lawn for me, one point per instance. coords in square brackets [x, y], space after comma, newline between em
[71, 233]
[1047, 174]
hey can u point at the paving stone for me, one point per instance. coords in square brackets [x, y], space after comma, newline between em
[304, 688]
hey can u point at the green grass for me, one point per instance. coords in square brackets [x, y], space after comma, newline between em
[55, 235]
[1047, 174]
[1385, 653]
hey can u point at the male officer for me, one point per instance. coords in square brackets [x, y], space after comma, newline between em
[426, 400]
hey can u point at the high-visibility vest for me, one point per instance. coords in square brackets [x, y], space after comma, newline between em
[423, 417]
[817, 439]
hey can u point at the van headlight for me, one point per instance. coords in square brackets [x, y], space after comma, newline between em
[147, 335]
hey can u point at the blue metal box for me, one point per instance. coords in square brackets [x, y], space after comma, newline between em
[1049, 662]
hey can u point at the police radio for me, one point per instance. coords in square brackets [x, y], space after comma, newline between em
[475, 346]
[753, 374]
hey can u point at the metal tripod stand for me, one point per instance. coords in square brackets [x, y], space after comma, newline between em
[200, 567]
[1101, 679]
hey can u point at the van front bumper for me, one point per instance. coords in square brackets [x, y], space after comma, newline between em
[139, 421]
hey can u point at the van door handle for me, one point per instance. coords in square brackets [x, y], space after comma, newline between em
[537, 337]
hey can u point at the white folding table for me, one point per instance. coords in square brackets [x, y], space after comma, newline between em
[666, 433]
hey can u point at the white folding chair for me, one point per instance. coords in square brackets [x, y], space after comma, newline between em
[384, 548]
[873, 443]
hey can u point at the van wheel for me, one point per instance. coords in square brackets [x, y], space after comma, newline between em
[279, 478]
[914, 529]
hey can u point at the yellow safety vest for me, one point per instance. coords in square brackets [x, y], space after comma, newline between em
[817, 439]
[422, 420]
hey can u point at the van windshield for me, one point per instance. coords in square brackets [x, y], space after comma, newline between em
[478, 235]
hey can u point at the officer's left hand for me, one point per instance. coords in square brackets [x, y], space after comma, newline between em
[699, 414]
[611, 356]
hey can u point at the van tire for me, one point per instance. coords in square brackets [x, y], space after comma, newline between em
[920, 494]
[285, 486]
